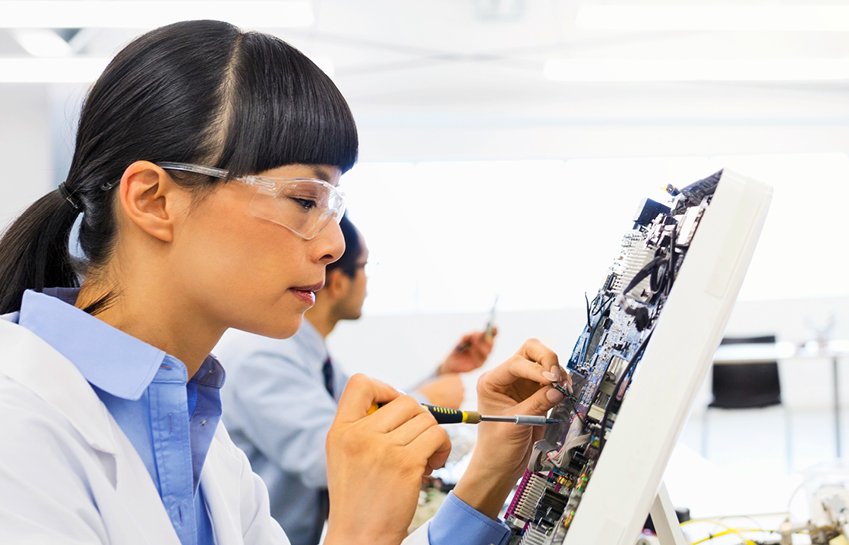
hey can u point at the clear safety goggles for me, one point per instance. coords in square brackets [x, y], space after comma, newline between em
[302, 205]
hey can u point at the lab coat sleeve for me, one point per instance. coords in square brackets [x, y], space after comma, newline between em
[260, 527]
[44, 497]
[284, 412]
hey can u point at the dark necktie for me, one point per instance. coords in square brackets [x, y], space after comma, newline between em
[327, 371]
[323, 498]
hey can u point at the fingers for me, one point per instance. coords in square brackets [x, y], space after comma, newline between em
[411, 429]
[479, 347]
[539, 403]
[477, 338]
[360, 394]
[396, 413]
[465, 344]
[566, 380]
[518, 367]
[435, 444]
[534, 350]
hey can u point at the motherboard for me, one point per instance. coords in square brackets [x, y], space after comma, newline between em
[620, 319]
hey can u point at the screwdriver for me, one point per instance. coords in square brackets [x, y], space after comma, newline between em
[447, 415]
[487, 332]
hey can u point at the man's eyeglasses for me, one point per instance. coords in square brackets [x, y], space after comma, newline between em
[302, 205]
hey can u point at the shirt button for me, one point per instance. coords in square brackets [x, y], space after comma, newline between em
[203, 422]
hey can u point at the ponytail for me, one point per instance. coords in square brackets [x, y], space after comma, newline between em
[34, 250]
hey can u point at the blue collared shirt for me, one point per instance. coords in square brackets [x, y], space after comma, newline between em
[278, 411]
[169, 419]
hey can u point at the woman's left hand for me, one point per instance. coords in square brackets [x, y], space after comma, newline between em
[521, 385]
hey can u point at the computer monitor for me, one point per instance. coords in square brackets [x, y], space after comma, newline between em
[651, 332]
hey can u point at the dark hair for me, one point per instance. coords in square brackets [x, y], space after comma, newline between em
[353, 249]
[195, 92]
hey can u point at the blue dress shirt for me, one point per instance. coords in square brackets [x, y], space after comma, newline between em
[169, 419]
[278, 410]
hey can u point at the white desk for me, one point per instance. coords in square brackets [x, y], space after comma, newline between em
[730, 354]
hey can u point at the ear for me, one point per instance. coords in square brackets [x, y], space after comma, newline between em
[150, 199]
[336, 283]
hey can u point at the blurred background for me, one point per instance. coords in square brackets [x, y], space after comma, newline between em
[506, 144]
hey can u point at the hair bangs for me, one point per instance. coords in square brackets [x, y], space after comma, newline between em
[285, 110]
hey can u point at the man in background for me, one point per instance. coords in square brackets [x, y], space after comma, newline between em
[280, 397]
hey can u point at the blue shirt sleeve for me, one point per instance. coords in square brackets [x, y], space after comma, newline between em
[457, 522]
[284, 412]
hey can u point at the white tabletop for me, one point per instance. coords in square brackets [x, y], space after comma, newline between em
[783, 350]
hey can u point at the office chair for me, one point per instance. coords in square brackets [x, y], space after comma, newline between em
[751, 385]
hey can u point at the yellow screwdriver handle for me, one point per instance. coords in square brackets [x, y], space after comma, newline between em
[443, 415]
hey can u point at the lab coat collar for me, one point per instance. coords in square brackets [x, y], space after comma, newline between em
[232, 493]
[31, 362]
[112, 360]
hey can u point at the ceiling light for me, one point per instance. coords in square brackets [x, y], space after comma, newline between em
[150, 14]
[637, 70]
[40, 42]
[716, 17]
[56, 70]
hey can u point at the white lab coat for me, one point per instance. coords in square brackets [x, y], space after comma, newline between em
[69, 475]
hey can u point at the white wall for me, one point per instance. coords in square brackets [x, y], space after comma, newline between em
[450, 236]
[402, 348]
[25, 141]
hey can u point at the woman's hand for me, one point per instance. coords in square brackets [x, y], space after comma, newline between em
[521, 385]
[375, 463]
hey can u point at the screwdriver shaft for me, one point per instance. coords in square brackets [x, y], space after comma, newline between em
[522, 420]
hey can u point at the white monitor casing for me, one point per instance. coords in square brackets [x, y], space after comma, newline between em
[677, 358]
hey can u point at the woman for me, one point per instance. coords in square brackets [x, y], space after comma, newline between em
[205, 181]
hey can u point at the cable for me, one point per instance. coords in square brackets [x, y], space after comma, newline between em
[604, 312]
[672, 243]
[729, 529]
[643, 273]
[607, 410]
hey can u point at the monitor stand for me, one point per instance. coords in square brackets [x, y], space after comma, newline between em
[665, 520]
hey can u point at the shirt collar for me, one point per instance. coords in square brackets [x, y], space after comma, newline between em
[107, 357]
[312, 341]
[210, 373]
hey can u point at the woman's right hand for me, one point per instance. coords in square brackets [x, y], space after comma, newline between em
[375, 463]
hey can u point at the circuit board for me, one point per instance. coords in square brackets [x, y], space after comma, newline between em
[620, 320]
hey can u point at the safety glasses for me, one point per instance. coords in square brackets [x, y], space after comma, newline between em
[302, 205]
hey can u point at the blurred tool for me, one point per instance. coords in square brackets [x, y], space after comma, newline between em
[447, 415]
[488, 330]
[490, 324]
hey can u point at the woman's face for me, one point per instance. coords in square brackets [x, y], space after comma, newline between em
[250, 273]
